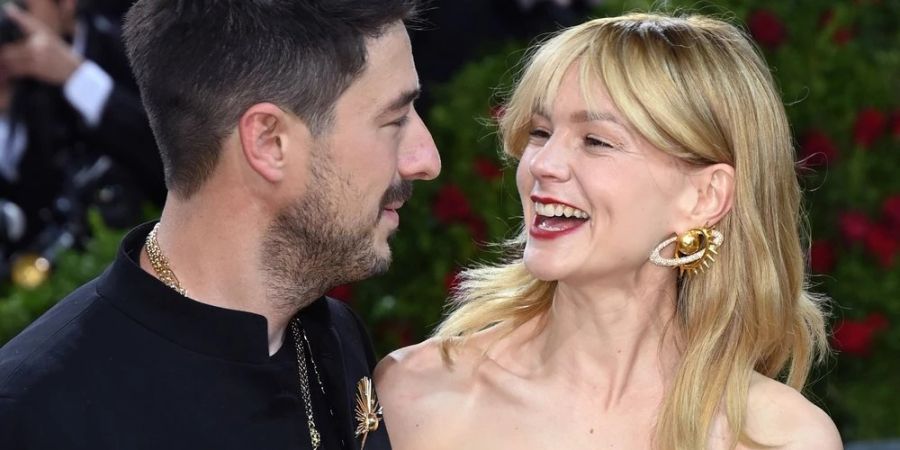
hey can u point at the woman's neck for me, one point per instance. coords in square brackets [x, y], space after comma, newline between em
[611, 339]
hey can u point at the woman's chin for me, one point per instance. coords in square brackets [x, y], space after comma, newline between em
[543, 271]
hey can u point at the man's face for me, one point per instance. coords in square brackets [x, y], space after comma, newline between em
[359, 177]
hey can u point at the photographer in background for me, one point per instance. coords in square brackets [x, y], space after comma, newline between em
[68, 100]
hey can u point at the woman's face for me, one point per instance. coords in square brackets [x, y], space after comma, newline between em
[596, 197]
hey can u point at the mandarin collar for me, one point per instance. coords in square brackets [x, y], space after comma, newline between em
[211, 330]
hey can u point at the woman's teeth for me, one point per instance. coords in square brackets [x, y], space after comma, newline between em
[558, 210]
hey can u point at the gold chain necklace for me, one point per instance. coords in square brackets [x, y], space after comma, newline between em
[300, 335]
[160, 263]
[161, 266]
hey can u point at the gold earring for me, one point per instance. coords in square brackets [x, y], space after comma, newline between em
[694, 250]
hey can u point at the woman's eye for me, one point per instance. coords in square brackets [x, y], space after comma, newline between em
[594, 142]
[539, 133]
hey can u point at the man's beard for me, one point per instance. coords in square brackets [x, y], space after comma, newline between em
[311, 246]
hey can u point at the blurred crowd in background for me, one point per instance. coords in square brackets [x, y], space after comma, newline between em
[73, 132]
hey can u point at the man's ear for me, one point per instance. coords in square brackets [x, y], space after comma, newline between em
[263, 131]
[715, 194]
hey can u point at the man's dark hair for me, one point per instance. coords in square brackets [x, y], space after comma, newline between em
[201, 63]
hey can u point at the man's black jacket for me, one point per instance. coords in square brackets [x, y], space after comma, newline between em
[124, 362]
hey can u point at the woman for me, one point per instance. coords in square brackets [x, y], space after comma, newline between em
[635, 136]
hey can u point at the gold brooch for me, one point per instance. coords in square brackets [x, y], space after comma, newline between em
[368, 411]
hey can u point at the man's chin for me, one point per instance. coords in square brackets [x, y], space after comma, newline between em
[382, 261]
[381, 267]
[377, 263]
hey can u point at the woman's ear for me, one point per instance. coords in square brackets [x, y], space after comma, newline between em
[715, 193]
[263, 131]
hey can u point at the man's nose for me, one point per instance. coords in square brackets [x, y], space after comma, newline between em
[419, 158]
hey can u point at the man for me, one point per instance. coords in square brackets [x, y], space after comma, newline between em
[67, 98]
[290, 142]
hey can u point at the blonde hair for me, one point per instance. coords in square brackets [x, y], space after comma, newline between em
[696, 88]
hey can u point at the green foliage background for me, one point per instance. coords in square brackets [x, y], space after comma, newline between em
[825, 84]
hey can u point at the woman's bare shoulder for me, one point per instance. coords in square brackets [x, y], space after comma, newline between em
[423, 369]
[417, 388]
[410, 368]
[779, 415]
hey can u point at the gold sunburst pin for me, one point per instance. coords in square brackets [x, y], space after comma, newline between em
[368, 411]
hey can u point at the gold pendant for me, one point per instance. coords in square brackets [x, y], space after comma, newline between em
[368, 411]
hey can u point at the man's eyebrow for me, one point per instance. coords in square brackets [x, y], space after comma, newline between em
[405, 98]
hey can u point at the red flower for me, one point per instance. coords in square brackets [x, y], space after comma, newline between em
[451, 205]
[487, 168]
[826, 18]
[890, 209]
[854, 226]
[842, 35]
[869, 126]
[343, 292]
[855, 336]
[767, 28]
[817, 148]
[883, 244]
[821, 257]
[477, 228]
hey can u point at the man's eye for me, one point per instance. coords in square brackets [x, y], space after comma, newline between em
[400, 122]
